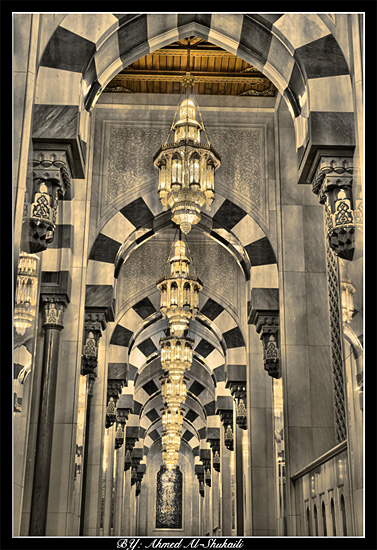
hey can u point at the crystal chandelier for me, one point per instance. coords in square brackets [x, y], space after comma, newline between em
[186, 166]
[26, 291]
[179, 292]
[186, 169]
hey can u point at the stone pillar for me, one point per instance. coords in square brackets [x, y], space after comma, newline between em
[53, 312]
[236, 381]
[224, 408]
[109, 482]
[199, 472]
[94, 324]
[132, 436]
[125, 406]
[205, 457]
[264, 359]
[136, 457]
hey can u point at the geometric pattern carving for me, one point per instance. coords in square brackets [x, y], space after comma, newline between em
[336, 343]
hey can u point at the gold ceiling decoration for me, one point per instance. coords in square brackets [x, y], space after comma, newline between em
[216, 72]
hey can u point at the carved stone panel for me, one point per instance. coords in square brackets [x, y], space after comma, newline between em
[128, 158]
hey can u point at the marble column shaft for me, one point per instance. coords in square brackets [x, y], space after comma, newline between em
[52, 326]
[238, 432]
[126, 517]
[109, 483]
[119, 487]
[226, 488]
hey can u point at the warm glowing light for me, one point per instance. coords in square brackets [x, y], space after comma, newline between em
[186, 170]
[26, 291]
[179, 292]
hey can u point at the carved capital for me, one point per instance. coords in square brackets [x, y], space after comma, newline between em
[226, 417]
[264, 314]
[53, 311]
[332, 182]
[51, 178]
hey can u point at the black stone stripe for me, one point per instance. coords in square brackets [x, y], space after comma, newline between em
[201, 18]
[203, 433]
[144, 308]
[137, 407]
[154, 435]
[121, 336]
[150, 387]
[211, 309]
[104, 249]
[67, 51]
[132, 33]
[187, 435]
[323, 57]
[234, 338]
[142, 432]
[291, 97]
[228, 215]
[152, 415]
[132, 371]
[255, 38]
[147, 347]
[99, 296]
[196, 388]
[260, 252]
[138, 213]
[210, 408]
[204, 348]
[196, 450]
[219, 372]
[191, 415]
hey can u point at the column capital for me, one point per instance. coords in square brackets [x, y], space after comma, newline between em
[114, 390]
[51, 178]
[332, 181]
[54, 304]
[264, 314]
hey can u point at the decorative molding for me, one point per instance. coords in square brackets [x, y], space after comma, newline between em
[51, 178]
[264, 314]
[332, 182]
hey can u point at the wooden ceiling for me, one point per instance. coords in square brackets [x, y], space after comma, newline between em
[215, 72]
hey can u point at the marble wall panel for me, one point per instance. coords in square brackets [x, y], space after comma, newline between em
[297, 379]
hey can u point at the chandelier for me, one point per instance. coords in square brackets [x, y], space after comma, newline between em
[186, 166]
[179, 292]
[26, 291]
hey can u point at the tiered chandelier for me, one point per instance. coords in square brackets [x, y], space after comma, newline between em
[186, 166]
[26, 291]
[179, 304]
[179, 292]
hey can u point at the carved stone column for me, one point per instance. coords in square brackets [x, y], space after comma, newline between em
[214, 443]
[224, 408]
[51, 178]
[332, 181]
[205, 457]
[199, 472]
[264, 314]
[53, 311]
[114, 389]
[140, 474]
[124, 407]
[236, 381]
[94, 323]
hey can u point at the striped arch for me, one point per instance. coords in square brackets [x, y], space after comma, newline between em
[87, 50]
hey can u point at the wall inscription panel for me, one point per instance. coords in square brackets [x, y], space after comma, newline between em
[127, 161]
[129, 158]
[169, 499]
[241, 169]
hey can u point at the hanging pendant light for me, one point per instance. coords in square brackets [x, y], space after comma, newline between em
[179, 292]
[26, 291]
[186, 166]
